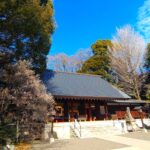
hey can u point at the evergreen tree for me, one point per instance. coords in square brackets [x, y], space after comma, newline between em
[147, 66]
[99, 63]
[25, 30]
[147, 58]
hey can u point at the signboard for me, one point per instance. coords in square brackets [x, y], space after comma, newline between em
[102, 110]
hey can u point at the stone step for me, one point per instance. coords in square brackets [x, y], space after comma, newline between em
[99, 131]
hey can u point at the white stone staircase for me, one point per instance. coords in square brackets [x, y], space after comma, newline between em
[88, 129]
[100, 129]
[103, 128]
[93, 128]
[88, 132]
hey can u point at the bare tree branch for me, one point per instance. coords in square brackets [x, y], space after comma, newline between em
[126, 59]
[63, 62]
[24, 97]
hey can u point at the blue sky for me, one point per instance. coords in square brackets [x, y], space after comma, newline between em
[81, 22]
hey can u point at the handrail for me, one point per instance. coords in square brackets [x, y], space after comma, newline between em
[77, 127]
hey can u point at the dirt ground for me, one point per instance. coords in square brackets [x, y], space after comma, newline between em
[129, 141]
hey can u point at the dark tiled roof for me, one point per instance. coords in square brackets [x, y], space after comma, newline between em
[74, 84]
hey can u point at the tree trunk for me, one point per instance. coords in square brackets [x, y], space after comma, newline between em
[136, 87]
[137, 94]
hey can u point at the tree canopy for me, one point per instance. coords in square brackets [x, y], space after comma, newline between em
[25, 30]
[99, 63]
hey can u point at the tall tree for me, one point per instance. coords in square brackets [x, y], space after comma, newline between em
[126, 59]
[99, 63]
[25, 30]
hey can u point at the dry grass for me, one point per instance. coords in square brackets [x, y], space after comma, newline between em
[23, 146]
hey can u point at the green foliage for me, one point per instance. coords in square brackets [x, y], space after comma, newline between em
[25, 30]
[147, 66]
[7, 131]
[43, 2]
[147, 58]
[99, 63]
[101, 47]
[148, 93]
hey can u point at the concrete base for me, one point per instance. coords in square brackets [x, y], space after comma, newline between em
[51, 140]
[93, 129]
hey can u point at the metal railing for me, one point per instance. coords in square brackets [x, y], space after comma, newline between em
[77, 127]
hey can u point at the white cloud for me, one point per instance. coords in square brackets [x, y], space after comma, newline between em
[143, 23]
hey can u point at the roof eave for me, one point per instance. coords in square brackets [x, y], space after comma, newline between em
[67, 97]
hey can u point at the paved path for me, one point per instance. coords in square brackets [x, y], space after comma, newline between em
[80, 144]
[130, 141]
[133, 144]
[138, 135]
[87, 144]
